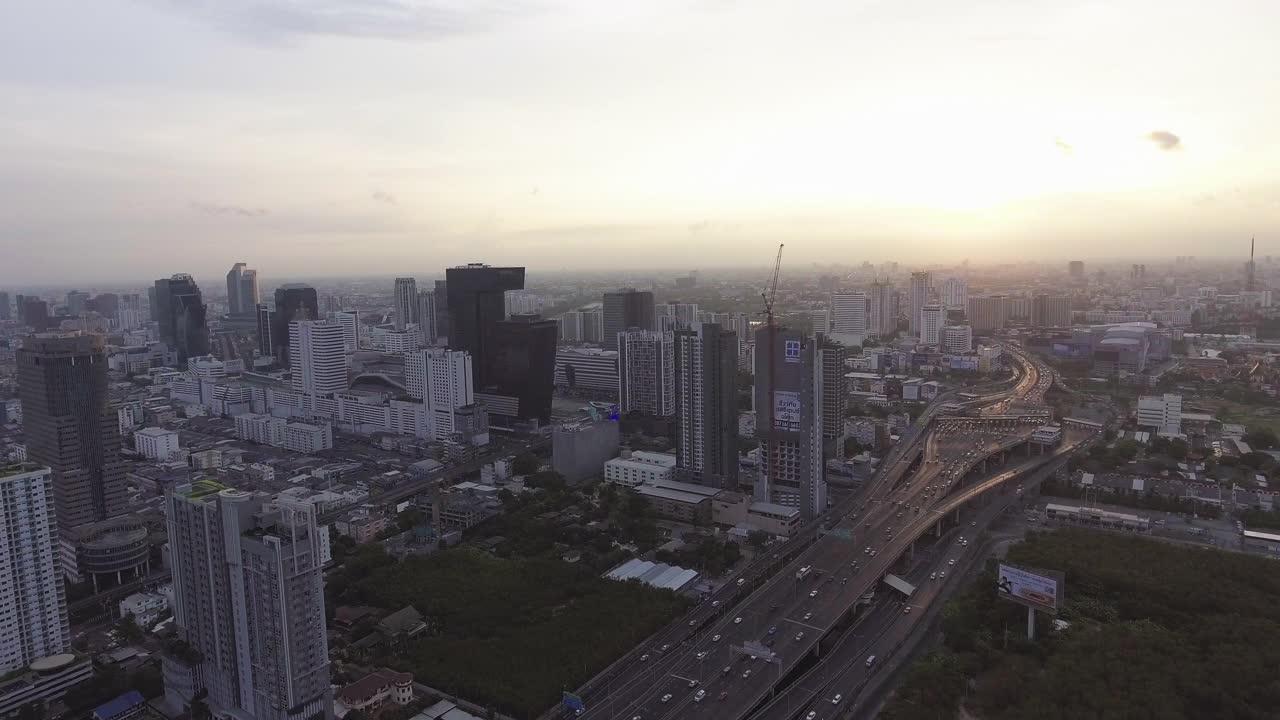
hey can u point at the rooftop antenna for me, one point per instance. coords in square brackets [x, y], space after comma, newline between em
[1249, 276]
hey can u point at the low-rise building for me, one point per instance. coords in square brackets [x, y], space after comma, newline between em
[640, 468]
[379, 688]
[156, 443]
[146, 608]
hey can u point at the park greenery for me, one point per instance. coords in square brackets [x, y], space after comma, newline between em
[507, 632]
[1155, 631]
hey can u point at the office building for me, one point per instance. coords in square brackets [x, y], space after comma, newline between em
[248, 592]
[1161, 414]
[441, 293]
[266, 321]
[242, 290]
[849, 313]
[646, 372]
[675, 316]
[627, 308]
[477, 303]
[181, 316]
[954, 293]
[76, 302]
[350, 321]
[405, 312]
[580, 449]
[156, 444]
[986, 313]
[706, 399]
[318, 359]
[882, 309]
[1075, 269]
[34, 313]
[789, 424]
[522, 368]
[399, 342]
[587, 372]
[33, 622]
[427, 317]
[957, 339]
[443, 380]
[1050, 311]
[932, 318]
[640, 468]
[70, 427]
[5, 313]
[307, 438]
[921, 286]
[294, 301]
[1016, 307]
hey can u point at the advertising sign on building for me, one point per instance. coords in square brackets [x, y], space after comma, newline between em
[792, 348]
[786, 410]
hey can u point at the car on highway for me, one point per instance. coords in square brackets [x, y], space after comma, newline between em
[693, 684]
[746, 673]
[773, 629]
[942, 574]
[799, 636]
[813, 715]
[727, 669]
[867, 551]
[666, 698]
[808, 615]
[664, 648]
[737, 620]
[952, 561]
[836, 700]
[699, 695]
[933, 576]
[906, 610]
[693, 622]
[741, 581]
[715, 638]
[813, 593]
[715, 603]
[644, 657]
[702, 655]
[873, 553]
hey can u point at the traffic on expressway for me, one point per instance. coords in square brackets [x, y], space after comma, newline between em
[734, 655]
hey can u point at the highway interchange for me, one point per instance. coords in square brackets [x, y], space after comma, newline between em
[728, 658]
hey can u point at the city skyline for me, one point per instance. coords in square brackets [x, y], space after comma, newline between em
[592, 136]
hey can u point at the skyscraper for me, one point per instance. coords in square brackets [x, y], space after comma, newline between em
[427, 317]
[243, 295]
[477, 303]
[626, 308]
[849, 313]
[646, 372]
[1075, 269]
[921, 284]
[706, 399]
[932, 319]
[675, 316]
[955, 293]
[294, 301]
[790, 423]
[441, 292]
[266, 334]
[70, 427]
[442, 380]
[350, 321]
[181, 316]
[34, 313]
[31, 592]
[248, 598]
[317, 356]
[957, 339]
[522, 366]
[830, 385]
[986, 313]
[882, 313]
[76, 301]
[406, 302]
[5, 314]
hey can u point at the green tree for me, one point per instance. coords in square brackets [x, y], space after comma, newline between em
[758, 538]
[1261, 438]
[525, 464]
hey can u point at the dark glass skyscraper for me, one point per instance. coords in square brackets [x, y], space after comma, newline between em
[626, 308]
[181, 316]
[477, 303]
[295, 301]
[69, 426]
[522, 364]
[706, 361]
[4, 306]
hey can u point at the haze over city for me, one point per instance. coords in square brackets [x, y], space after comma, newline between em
[343, 136]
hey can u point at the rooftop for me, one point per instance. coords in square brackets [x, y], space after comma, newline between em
[18, 469]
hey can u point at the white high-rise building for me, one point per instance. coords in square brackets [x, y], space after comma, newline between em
[921, 285]
[957, 339]
[955, 293]
[881, 309]
[350, 320]
[427, 317]
[932, 320]
[400, 342]
[317, 356]
[646, 372]
[33, 605]
[156, 443]
[849, 313]
[442, 379]
[406, 302]
[248, 598]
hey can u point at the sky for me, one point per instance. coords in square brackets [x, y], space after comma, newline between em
[139, 138]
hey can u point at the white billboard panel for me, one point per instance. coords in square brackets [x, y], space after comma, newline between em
[1033, 588]
[786, 410]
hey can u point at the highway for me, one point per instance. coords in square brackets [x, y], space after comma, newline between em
[711, 674]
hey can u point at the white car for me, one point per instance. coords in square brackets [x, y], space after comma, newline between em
[715, 638]
[799, 636]
[666, 698]
[698, 697]
[942, 574]
[702, 655]
[813, 593]
[836, 700]
[746, 674]
[933, 576]
[644, 657]
[741, 581]
[906, 610]
[808, 615]
[737, 620]
[693, 684]
[952, 561]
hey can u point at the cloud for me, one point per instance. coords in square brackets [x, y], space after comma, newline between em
[1063, 146]
[236, 210]
[384, 197]
[391, 19]
[1165, 140]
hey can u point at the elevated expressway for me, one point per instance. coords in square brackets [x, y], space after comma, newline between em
[784, 621]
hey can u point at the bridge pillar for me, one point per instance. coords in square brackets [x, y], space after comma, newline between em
[911, 551]
[937, 529]
[957, 516]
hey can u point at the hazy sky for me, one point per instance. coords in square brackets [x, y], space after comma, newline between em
[144, 137]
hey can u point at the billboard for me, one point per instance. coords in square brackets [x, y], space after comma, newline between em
[792, 348]
[786, 410]
[1037, 589]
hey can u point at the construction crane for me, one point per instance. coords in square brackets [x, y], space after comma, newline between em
[771, 334]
